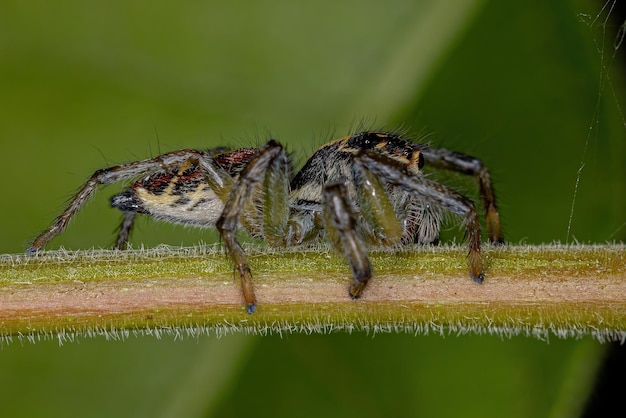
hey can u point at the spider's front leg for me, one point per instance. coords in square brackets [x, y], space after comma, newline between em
[269, 167]
[342, 234]
[394, 173]
[378, 223]
[442, 158]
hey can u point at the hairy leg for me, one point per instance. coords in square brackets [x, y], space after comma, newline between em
[124, 232]
[215, 175]
[449, 160]
[341, 231]
[395, 173]
[380, 224]
[254, 173]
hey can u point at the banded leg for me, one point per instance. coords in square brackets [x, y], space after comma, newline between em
[395, 173]
[255, 172]
[124, 232]
[215, 176]
[342, 234]
[445, 159]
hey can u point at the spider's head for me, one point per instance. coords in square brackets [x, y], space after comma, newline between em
[390, 145]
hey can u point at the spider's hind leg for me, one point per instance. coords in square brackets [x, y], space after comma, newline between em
[128, 204]
[220, 182]
[124, 231]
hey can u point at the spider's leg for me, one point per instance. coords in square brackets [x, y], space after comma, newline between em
[380, 224]
[342, 234]
[124, 232]
[276, 199]
[217, 176]
[255, 172]
[449, 160]
[395, 173]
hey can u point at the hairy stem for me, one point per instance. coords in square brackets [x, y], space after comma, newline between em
[567, 291]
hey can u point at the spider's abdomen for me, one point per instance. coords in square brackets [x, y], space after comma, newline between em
[181, 196]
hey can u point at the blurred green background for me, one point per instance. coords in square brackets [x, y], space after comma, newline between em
[533, 88]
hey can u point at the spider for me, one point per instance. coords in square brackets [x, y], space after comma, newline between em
[358, 191]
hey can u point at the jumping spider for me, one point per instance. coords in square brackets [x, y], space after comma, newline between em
[360, 190]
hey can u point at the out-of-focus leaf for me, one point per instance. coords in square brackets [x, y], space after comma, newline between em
[400, 375]
[145, 377]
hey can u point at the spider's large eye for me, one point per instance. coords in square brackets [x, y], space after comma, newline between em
[420, 161]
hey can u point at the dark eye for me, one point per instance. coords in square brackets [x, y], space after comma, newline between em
[420, 161]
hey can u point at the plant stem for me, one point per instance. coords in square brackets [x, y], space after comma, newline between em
[567, 291]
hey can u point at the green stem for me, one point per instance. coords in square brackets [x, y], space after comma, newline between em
[567, 291]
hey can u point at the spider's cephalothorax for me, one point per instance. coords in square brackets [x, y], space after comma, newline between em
[358, 191]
